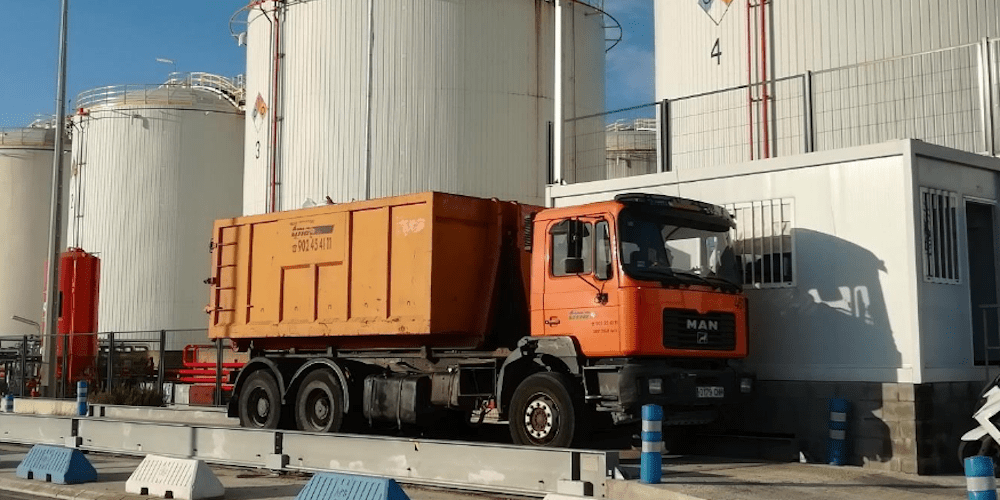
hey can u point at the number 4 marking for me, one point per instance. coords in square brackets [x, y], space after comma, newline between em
[717, 52]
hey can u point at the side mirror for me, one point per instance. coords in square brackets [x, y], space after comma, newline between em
[573, 265]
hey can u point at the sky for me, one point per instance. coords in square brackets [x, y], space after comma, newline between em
[114, 42]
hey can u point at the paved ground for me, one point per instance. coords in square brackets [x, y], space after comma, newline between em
[684, 478]
[687, 478]
[241, 484]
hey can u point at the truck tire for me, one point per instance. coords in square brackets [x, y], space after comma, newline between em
[260, 402]
[319, 404]
[545, 410]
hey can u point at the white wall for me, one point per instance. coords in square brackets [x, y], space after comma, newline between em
[946, 326]
[850, 315]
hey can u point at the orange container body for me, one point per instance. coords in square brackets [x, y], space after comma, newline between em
[409, 271]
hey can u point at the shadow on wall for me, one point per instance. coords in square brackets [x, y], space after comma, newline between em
[828, 336]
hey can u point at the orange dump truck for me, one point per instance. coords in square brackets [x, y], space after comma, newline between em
[408, 308]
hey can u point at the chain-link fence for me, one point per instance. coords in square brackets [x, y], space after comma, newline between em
[949, 97]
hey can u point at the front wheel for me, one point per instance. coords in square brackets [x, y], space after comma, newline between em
[544, 411]
[260, 402]
[319, 404]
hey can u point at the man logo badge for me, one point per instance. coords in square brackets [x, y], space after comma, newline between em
[702, 338]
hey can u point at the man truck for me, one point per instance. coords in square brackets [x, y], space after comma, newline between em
[553, 321]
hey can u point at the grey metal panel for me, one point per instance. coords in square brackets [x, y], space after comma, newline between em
[35, 429]
[485, 467]
[136, 437]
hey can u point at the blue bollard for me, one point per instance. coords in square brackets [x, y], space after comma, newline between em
[8, 403]
[651, 460]
[81, 398]
[979, 480]
[836, 452]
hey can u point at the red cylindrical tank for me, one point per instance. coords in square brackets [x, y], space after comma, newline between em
[79, 283]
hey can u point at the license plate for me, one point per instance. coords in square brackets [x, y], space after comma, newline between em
[711, 392]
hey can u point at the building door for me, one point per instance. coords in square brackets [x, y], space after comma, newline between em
[982, 281]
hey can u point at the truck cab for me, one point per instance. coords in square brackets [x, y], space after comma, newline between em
[646, 287]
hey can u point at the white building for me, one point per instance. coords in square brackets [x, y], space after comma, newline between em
[870, 270]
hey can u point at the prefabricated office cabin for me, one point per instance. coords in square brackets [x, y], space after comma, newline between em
[871, 274]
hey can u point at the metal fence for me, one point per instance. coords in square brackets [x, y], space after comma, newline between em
[949, 97]
[128, 358]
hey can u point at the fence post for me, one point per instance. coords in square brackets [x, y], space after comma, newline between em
[665, 137]
[986, 95]
[81, 398]
[24, 365]
[159, 365]
[651, 458]
[808, 136]
[111, 361]
[550, 176]
[218, 372]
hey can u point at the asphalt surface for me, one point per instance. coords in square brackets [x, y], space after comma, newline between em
[241, 484]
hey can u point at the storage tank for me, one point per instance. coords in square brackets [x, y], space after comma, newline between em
[879, 71]
[153, 167]
[25, 194]
[376, 99]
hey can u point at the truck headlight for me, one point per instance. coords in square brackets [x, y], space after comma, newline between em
[656, 386]
[746, 385]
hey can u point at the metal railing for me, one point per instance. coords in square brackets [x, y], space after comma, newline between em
[39, 137]
[125, 358]
[949, 97]
[177, 90]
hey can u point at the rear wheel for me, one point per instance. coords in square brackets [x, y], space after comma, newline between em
[260, 402]
[545, 410]
[319, 404]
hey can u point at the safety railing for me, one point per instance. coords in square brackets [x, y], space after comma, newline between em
[27, 137]
[949, 97]
[177, 90]
[109, 360]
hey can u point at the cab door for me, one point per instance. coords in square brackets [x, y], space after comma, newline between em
[581, 284]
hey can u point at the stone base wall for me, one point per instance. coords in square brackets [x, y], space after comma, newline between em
[892, 426]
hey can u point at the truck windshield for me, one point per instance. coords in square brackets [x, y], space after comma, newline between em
[663, 248]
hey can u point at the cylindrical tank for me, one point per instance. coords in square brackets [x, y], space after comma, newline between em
[385, 98]
[153, 167]
[867, 72]
[702, 46]
[25, 193]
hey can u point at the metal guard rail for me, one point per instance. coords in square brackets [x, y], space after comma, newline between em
[175, 91]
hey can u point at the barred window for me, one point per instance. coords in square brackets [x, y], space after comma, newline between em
[939, 220]
[763, 242]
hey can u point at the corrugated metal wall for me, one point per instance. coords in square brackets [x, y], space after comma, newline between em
[807, 36]
[460, 98]
[25, 190]
[148, 182]
[841, 73]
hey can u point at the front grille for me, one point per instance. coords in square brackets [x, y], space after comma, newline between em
[686, 329]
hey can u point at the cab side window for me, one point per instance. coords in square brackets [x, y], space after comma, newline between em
[572, 240]
[602, 254]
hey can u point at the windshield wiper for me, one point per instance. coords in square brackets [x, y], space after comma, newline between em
[729, 284]
[693, 275]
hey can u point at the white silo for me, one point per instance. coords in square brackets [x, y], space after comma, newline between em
[382, 98]
[870, 72]
[25, 193]
[153, 167]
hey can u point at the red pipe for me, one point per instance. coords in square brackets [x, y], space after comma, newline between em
[763, 74]
[276, 27]
[750, 81]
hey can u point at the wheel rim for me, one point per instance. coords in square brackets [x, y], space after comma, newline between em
[260, 406]
[540, 418]
[319, 408]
